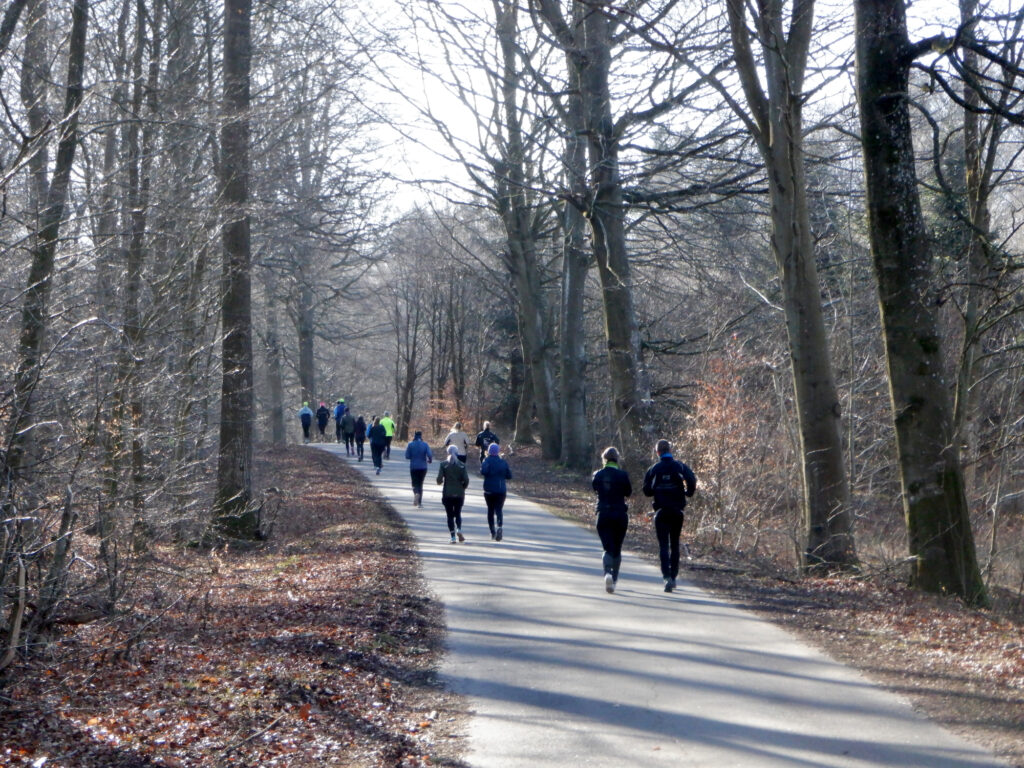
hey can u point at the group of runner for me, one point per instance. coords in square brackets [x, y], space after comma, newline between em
[354, 431]
[668, 482]
[453, 476]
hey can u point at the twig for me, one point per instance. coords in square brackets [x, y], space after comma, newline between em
[231, 748]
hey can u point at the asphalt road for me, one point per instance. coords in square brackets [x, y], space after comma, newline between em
[560, 673]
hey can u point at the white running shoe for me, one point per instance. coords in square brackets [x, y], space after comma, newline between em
[609, 583]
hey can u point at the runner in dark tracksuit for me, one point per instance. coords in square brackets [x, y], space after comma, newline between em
[669, 482]
[339, 413]
[378, 442]
[348, 432]
[360, 436]
[612, 487]
[323, 415]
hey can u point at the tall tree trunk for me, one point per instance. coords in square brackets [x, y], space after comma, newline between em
[630, 392]
[36, 306]
[305, 328]
[776, 120]
[233, 511]
[576, 443]
[275, 378]
[938, 524]
[517, 213]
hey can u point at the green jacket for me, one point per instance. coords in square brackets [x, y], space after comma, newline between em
[389, 426]
[454, 477]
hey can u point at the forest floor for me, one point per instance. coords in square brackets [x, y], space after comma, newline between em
[319, 647]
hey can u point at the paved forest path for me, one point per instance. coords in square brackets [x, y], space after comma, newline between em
[560, 673]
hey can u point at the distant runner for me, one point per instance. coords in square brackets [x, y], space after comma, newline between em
[495, 471]
[611, 483]
[669, 482]
[454, 478]
[306, 419]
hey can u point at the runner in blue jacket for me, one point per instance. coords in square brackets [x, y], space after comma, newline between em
[417, 452]
[495, 471]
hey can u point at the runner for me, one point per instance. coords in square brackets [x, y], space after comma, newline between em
[339, 414]
[360, 436]
[349, 427]
[612, 487]
[484, 439]
[323, 415]
[453, 476]
[389, 433]
[669, 482]
[306, 419]
[459, 439]
[378, 443]
[418, 454]
[495, 471]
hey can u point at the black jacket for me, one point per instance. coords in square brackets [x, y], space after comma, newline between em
[612, 486]
[669, 482]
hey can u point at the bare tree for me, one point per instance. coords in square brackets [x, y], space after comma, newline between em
[938, 523]
[233, 511]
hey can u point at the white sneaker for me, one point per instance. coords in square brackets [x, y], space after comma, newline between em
[459, 534]
[609, 583]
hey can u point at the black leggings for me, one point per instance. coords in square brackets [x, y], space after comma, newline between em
[359, 448]
[453, 509]
[377, 451]
[417, 479]
[350, 441]
[306, 424]
[668, 524]
[495, 503]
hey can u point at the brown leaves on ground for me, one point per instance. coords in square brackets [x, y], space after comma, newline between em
[963, 667]
[317, 649]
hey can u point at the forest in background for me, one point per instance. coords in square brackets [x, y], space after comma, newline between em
[661, 219]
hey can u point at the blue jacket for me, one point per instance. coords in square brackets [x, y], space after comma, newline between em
[306, 415]
[495, 471]
[418, 453]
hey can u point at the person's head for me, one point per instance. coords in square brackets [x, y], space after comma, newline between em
[457, 426]
[376, 421]
[487, 425]
[323, 404]
[611, 453]
[493, 449]
[387, 414]
[453, 454]
[340, 402]
[305, 403]
[663, 447]
[417, 435]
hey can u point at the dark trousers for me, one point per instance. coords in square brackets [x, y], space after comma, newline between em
[337, 431]
[611, 527]
[359, 449]
[453, 509]
[417, 476]
[350, 443]
[306, 423]
[322, 426]
[495, 502]
[668, 524]
[387, 446]
[377, 452]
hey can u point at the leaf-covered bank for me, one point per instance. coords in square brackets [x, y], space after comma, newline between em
[315, 649]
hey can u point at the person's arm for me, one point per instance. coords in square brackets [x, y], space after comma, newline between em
[440, 474]
[648, 490]
[464, 477]
[627, 489]
[508, 471]
[430, 456]
[691, 480]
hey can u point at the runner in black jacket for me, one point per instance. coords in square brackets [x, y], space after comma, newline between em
[669, 482]
[612, 487]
